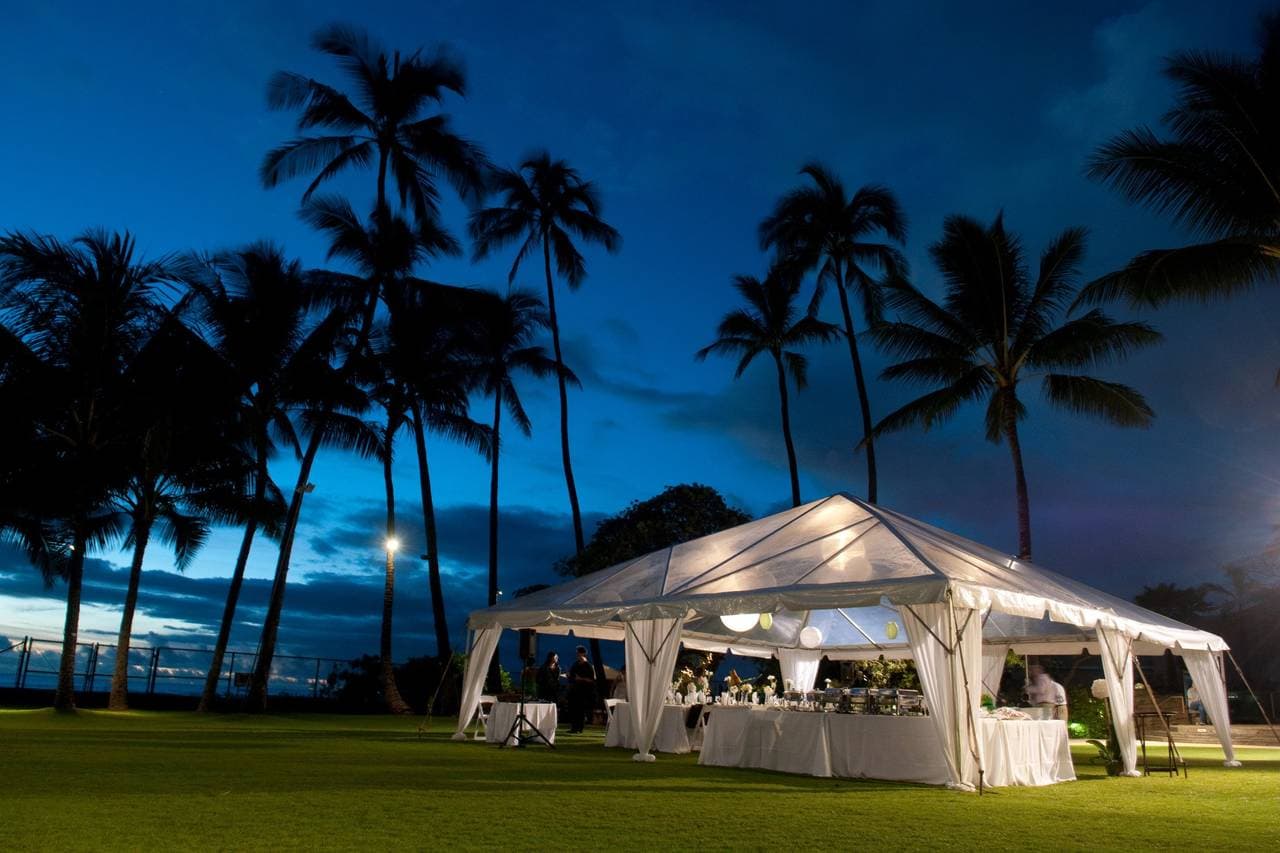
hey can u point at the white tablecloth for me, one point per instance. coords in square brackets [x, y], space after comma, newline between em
[543, 715]
[672, 734]
[859, 746]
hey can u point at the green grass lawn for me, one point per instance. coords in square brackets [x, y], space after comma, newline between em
[178, 781]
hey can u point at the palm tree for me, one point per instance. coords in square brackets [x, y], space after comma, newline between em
[388, 120]
[1216, 171]
[772, 323]
[383, 251]
[256, 309]
[821, 226]
[504, 348]
[505, 328]
[996, 327]
[430, 353]
[546, 203]
[82, 310]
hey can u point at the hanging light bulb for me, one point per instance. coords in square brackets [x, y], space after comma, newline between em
[740, 623]
[766, 621]
[811, 637]
[891, 629]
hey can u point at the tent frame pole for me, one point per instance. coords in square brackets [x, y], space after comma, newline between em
[1256, 700]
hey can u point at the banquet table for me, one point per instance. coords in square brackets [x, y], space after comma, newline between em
[543, 715]
[861, 746]
[672, 735]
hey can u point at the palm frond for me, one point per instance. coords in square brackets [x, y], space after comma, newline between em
[1089, 341]
[1118, 404]
[1204, 272]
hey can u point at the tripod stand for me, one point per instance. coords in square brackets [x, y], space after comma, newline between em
[521, 720]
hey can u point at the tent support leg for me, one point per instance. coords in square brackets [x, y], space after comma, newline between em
[1261, 709]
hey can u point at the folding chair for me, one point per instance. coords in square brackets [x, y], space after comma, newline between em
[482, 715]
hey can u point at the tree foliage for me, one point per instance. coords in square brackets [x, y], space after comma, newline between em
[677, 514]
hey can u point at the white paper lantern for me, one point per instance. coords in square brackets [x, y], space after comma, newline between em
[740, 623]
[811, 637]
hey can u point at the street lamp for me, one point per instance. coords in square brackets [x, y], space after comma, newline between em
[392, 544]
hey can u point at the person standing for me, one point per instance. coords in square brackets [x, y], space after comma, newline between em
[549, 678]
[582, 686]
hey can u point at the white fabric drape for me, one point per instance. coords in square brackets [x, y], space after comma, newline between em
[483, 642]
[946, 644]
[1117, 665]
[993, 658]
[651, 647]
[799, 667]
[1206, 674]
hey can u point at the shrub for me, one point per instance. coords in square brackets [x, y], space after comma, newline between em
[1086, 712]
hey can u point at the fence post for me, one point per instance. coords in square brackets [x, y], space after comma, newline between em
[231, 673]
[91, 669]
[151, 676]
[23, 661]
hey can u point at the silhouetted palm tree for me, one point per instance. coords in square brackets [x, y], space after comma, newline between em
[257, 314]
[821, 226]
[188, 465]
[431, 353]
[772, 323]
[83, 310]
[995, 328]
[1216, 172]
[383, 251]
[546, 204]
[395, 402]
[389, 120]
[504, 348]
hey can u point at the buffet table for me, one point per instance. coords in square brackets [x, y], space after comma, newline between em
[672, 736]
[863, 746]
[543, 715]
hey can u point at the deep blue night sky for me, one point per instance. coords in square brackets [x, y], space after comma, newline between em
[692, 121]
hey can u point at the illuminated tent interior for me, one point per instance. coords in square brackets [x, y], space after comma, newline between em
[844, 579]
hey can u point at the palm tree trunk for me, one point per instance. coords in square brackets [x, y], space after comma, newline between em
[578, 540]
[1020, 477]
[495, 675]
[864, 402]
[214, 676]
[786, 431]
[119, 700]
[444, 649]
[64, 699]
[257, 698]
[382, 179]
[386, 670]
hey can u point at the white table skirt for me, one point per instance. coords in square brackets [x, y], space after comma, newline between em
[858, 746]
[672, 735]
[543, 715]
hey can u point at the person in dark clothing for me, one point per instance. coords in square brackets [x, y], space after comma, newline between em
[549, 678]
[582, 691]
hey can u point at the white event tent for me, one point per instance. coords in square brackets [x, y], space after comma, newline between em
[839, 577]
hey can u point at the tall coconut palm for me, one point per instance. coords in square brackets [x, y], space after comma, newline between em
[187, 462]
[1216, 171]
[996, 327]
[383, 250]
[83, 310]
[257, 313]
[546, 204]
[430, 353]
[772, 323]
[505, 329]
[504, 348]
[822, 226]
[389, 119]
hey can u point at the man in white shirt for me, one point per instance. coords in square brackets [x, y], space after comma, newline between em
[1043, 692]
